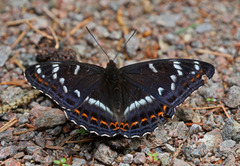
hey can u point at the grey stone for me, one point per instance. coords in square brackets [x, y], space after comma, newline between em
[184, 114]
[34, 149]
[46, 117]
[81, 49]
[123, 164]
[23, 118]
[132, 45]
[105, 154]
[5, 51]
[11, 94]
[170, 38]
[103, 32]
[170, 148]
[231, 130]
[7, 151]
[211, 139]
[128, 158]
[76, 16]
[40, 141]
[212, 90]
[177, 129]
[18, 4]
[205, 27]
[194, 129]
[178, 162]
[79, 162]
[225, 146]
[232, 98]
[164, 158]
[140, 158]
[167, 20]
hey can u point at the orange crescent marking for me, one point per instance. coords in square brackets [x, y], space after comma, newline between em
[152, 116]
[103, 122]
[134, 123]
[95, 119]
[198, 75]
[40, 79]
[85, 115]
[114, 124]
[35, 75]
[160, 113]
[45, 83]
[143, 120]
[77, 111]
[201, 71]
[54, 87]
[164, 108]
[192, 80]
[123, 126]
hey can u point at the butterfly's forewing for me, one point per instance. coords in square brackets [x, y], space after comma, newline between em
[66, 83]
[162, 85]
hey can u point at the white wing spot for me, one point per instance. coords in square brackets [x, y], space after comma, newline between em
[77, 92]
[180, 73]
[193, 72]
[137, 104]
[174, 78]
[172, 86]
[126, 111]
[196, 67]
[76, 70]
[55, 65]
[142, 102]
[176, 66]
[148, 99]
[61, 80]
[196, 62]
[99, 104]
[65, 89]
[176, 62]
[91, 101]
[160, 90]
[152, 68]
[55, 69]
[132, 107]
[39, 70]
[37, 66]
[55, 76]
[43, 76]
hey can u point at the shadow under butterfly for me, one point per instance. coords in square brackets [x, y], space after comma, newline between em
[128, 101]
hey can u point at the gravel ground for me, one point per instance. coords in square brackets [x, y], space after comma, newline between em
[205, 130]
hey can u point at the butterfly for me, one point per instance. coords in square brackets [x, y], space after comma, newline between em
[128, 101]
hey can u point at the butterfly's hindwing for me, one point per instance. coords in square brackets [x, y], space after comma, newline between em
[66, 83]
[170, 81]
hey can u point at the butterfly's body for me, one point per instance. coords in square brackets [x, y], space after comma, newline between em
[128, 101]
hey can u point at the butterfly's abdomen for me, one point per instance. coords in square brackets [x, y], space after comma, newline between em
[113, 79]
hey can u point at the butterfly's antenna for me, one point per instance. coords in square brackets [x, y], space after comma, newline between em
[125, 44]
[97, 43]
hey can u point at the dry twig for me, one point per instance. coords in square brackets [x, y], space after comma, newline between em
[52, 16]
[55, 37]
[224, 109]
[81, 24]
[8, 124]
[202, 51]
[38, 31]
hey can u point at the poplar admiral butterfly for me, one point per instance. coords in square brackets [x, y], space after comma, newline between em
[128, 101]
